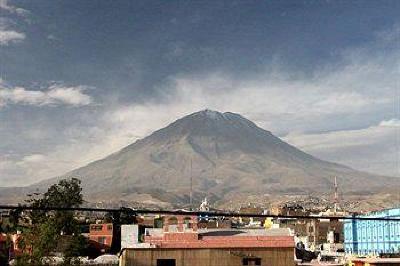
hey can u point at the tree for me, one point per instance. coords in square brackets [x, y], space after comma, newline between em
[48, 226]
[65, 194]
[77, 245]
[117, 218]
[14, 217]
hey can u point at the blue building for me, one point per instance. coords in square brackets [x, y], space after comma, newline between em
[364, 237]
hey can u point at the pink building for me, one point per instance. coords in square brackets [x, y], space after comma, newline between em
[101, 235]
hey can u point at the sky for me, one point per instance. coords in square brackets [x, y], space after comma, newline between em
[82, 79]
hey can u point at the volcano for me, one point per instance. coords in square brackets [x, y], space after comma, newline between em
[218, 155]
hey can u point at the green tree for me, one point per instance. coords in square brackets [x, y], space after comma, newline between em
[65, 194]
[49, 226]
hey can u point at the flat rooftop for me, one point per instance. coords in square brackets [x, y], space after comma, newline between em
[221, 238]
[224, 232]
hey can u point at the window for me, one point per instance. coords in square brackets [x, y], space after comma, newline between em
[101, 239]
[336, 237]
[109, 227]
[96, 227]
[166, 262]
[172, 220]
[251, 261]
[188, 222]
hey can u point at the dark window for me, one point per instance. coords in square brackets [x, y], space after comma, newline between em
[109, 227]
[251, 261]
[166, 262]
[337, 237]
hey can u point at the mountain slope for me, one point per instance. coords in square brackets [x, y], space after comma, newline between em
[225, 154]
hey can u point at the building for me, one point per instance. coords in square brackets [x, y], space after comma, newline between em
[9, 246]
[217, 222]
[129, 235]
[101, 236]
[4, 249]
[180, 242]
[251, 210]
[376, 262]
[315, 233]
[364, 237]
[290, 209]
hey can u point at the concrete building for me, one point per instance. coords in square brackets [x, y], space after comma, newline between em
[364, 237]
[129, 235]
[315, 233]
[180, 242]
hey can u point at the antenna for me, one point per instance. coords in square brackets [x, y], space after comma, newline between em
[191, 184]
[336, 195]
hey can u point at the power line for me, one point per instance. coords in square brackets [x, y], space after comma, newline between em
[195, 213]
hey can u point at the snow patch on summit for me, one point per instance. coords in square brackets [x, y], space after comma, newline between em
[212, 114]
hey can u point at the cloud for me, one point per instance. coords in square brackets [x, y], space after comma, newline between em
[52, 37]
[68, 95]
[34, 158]
[55, 95]
[10, 36]
[5, 5]
[342, 138]
[390, 123]
[375, 149]
[29, 166]
[276, 103]
[345, 102]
